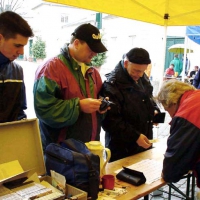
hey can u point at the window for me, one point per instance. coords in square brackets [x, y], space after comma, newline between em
[64, 18]
[132, 39]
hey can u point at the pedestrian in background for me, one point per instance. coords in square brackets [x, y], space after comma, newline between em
[192, 74]
[14, 35]
[128, 124]
[170, 71]
[181, 101]
[178, 65]
[196, 80]
[66, 90]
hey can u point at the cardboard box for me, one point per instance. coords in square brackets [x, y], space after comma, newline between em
[20, 140]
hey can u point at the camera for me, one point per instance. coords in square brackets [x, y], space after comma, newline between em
[105, 104]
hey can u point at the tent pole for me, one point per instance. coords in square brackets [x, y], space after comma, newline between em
[184, 59]
[163, 56]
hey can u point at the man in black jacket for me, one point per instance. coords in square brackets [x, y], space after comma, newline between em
[128, 125]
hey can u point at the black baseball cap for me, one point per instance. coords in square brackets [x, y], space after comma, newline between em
[91, 35]
[138, 56]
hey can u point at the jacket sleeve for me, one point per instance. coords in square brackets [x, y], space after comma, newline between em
[50, 108]
[183, 149]
[23, 106]
[114, 122]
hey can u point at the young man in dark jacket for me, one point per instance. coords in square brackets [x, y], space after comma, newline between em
[128, 124]
[14, 34]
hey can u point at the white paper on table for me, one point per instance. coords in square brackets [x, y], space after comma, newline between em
[151, 169]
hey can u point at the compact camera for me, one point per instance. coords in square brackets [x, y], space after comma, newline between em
[105, 104]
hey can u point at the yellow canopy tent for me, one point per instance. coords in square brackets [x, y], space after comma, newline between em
[160, 12]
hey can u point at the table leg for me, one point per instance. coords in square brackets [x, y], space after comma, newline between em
[193, 185]
[179, 191]
[188, 185]
[170, 191]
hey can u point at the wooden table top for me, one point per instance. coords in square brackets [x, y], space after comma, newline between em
[135, 192]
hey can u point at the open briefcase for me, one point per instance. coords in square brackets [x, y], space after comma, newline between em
[20, 140]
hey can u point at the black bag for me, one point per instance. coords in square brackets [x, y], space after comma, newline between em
[131, 176]
[73, 160]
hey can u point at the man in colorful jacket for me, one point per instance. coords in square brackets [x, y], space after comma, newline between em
[14, 34]
[181, 101]
[66, 90]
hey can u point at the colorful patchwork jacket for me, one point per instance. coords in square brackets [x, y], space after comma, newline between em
[183, 145]
[59, 85]
[12, 91]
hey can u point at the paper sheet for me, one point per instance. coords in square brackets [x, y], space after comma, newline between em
[151, 169]
[10, 169]
[111, 194]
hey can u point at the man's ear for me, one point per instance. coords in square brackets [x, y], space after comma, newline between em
[126, 63]
[76, 43]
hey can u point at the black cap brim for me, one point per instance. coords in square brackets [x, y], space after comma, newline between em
[97, 47]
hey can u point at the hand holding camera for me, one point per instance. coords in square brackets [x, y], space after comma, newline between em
[105, 104]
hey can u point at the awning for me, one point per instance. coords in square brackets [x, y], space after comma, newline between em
[160, 12]
[193, 32]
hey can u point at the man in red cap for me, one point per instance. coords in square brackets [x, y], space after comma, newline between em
[66, 90]
[128, 124]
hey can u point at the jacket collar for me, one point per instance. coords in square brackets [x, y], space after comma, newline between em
[75, 66]
[3, 59]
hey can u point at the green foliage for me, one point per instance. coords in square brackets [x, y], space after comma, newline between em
[38, 49]
[99, 59]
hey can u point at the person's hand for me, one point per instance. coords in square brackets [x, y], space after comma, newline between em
[89, 105]
[143, 141]
[105, 110]
[155, 113]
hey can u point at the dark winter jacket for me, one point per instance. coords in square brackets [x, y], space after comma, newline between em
[59, 85]
[12, 91]
[131, 115]
[196, 80]
[183, 145]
